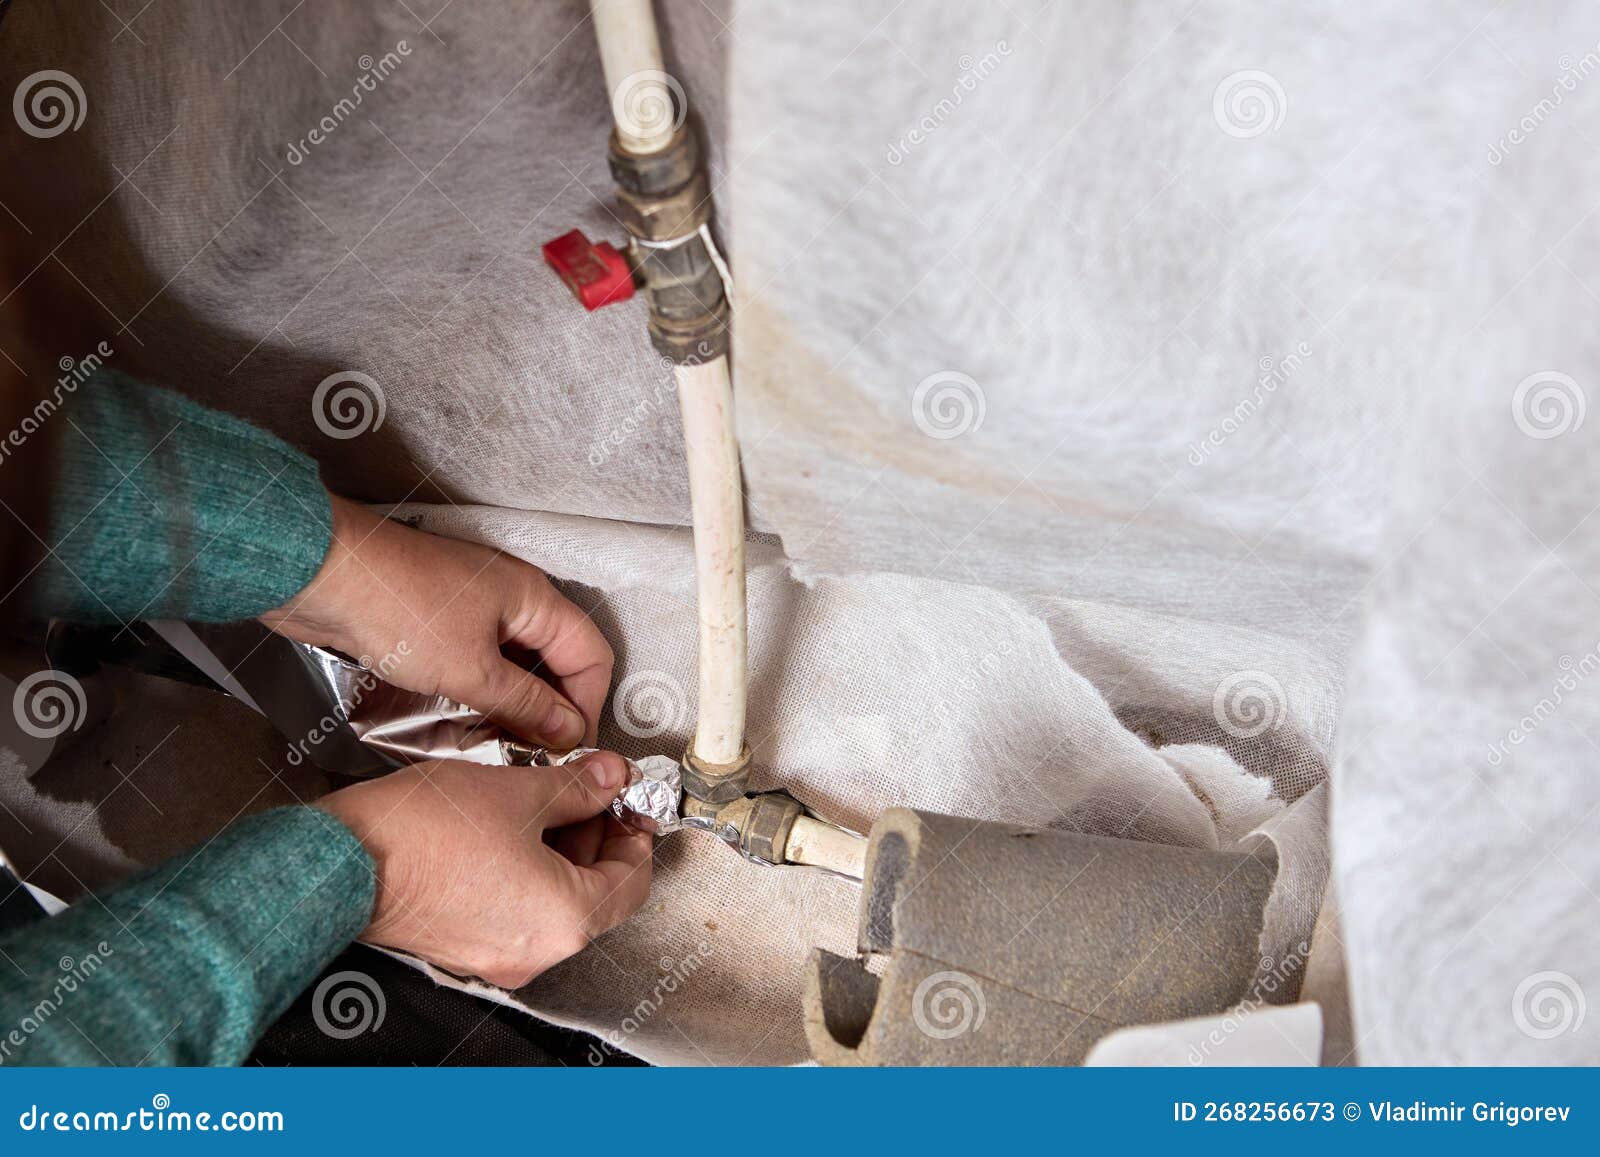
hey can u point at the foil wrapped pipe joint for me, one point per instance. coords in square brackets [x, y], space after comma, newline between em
[649, 802]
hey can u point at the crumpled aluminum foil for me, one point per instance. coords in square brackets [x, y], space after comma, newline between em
[654, 793]
[345, 717]
[655, 785]
[408, 727]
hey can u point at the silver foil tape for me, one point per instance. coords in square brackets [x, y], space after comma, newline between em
[653, 792]
[408, 727]
[655, 785]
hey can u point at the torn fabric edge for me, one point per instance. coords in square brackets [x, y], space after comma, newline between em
[1298, 837]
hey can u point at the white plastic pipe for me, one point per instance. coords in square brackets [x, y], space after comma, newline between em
[642, 109]
[640, 90]
[825, 846]
[705, 396]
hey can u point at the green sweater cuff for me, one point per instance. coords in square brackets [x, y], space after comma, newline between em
[190, 963]
[162, 508]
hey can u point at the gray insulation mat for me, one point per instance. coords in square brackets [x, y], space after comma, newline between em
[1113, 933]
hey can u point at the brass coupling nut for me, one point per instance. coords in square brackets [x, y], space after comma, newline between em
[715, 784]
[758, 824]
[688, 305]
[661, 195]
[765, 834]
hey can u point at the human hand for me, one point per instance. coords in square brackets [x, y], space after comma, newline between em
[497, 872]
[438, 612]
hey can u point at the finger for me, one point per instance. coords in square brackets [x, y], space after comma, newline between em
[569, 643]
[576, 791]
[580, 842]
[618, 882]
[521, 702]
[587, 691]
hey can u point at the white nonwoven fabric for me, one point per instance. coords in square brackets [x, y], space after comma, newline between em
[1253, 330]
[1076, 422]
[866, 693]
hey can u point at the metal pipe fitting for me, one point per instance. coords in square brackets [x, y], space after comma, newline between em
[664, 202]
[661, 196]
[708, 787]
[688, 309]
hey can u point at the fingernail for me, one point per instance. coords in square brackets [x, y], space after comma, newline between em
[606, 774]
[563, 725]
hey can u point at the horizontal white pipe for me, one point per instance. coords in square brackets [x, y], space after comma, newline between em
[825, 846]
[705, 396]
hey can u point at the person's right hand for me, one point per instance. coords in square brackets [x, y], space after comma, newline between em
[497, 872]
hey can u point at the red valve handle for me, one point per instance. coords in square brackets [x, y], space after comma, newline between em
[595, 272]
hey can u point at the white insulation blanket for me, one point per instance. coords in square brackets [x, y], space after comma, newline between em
[1150, 411]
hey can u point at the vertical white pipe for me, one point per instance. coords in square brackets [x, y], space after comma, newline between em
[642, 109]
[705, 396]
[630, 56]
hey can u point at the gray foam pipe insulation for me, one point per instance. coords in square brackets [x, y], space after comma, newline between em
[1124, 933]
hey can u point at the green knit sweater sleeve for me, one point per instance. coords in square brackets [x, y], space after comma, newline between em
[162, 508]
[187, 964]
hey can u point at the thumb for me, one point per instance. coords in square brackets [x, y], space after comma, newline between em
[522, 703]
[578, 790]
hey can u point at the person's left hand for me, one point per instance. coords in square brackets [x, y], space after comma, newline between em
[434, 613]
